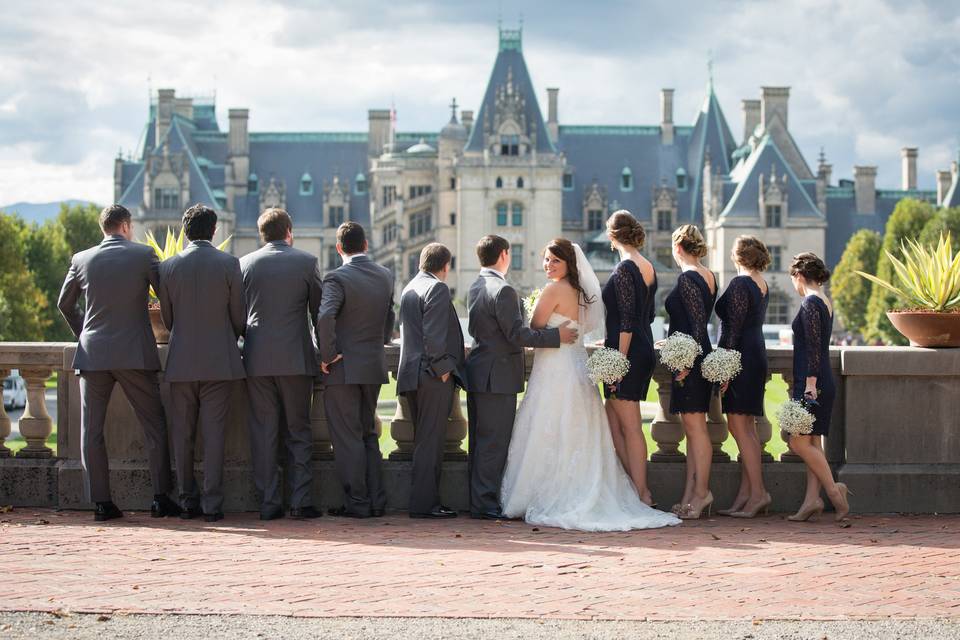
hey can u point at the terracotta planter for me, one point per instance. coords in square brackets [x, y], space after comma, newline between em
[927, 328]
[159, 331]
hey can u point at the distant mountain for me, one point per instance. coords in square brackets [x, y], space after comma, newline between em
[38, 211]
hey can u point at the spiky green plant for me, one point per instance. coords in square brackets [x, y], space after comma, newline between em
[929, 277]
[172, 245]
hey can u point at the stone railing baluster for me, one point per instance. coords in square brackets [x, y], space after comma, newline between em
[4, 422]
[456, 432]
[401, 430]
[36, 424]
[764, 433]
[788, 456]
[322, 445]
[717, 429]
[666, 429]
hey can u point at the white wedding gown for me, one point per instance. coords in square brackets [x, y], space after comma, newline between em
[562, 470]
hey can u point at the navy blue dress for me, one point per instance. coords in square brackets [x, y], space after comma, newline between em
[689, 306]
[742, 309]
[811, 357]
[630, 309]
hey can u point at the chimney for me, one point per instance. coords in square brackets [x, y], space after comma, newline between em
[553, 123]
[774, 102]
[666, 116]
[751, 118]
[378, 131]
[944, 180]
[865, 188]
[466, 119]
[165, 98]
[908, 168]
[238, 138]
[118, 177]
[183, 107]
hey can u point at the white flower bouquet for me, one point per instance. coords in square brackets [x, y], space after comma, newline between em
[607, 366]
[679, 352]
[795, 418]
[530, 302]
[721, 366]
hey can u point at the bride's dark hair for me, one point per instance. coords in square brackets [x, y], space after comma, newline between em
[563, 249]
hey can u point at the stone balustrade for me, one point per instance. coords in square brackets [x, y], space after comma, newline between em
[893, 436]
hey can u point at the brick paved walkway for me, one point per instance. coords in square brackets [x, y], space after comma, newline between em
[718, 569]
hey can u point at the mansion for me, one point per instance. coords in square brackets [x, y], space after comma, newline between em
[505, 169]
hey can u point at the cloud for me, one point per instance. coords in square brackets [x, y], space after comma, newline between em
[866, 77]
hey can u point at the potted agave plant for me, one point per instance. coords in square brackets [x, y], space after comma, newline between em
[172, 245]
[930, 288]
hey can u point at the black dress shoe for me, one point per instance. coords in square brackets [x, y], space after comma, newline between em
[436, 512]
[163, 506]
[106, 511]
[488, 515]
[342, 512]
[213, 517]
[305, 513]
[376, 513]
[190, 513]
[272, 513]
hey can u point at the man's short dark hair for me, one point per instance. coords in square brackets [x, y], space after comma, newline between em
[489, 249]
[112, 217]
[434, 258]
[274, 224]
[199, 222]
[351, 238]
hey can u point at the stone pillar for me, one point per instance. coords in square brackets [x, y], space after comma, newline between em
[4, 422]
[36, 424]
[717, 429]
[456, 432]
[322, 446]
[402, 431]
[666, 429]
[764, 433]
[788, 456]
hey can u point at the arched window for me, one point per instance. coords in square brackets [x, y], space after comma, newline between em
[306, 184]
[253, 183]
[520, 182]
[681, 179]
[626, 179]
[499, 182]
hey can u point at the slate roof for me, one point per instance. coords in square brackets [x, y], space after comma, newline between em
[952, 197]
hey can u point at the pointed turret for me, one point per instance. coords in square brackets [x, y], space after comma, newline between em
[711, 135]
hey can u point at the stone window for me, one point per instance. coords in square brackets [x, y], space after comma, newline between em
[626, 179]
[333, 258]
[517, 211]
[664, 220]
[778, 308]
[568, 181]
[417, 190]
[166, 198]
[335, 216]
[510, 145]
[420, 223]
[453, 219]
[773, 218]
[453, 183]
[594, 220]
[413, 263]
[502, 214]
[516, 257]
[389, 194]
[664, 256]
[776, 258]
[520, 182]
[453, 265]
[499, 182]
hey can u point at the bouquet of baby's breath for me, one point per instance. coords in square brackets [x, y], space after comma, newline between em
[679, 352]
[530, 302]
[608, 366]
[795, 418]
[721, 365]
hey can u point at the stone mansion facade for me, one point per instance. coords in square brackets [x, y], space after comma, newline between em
[509, 171]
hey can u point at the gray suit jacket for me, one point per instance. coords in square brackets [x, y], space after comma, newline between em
[495, 364]
[431, 341]
[356, 320]
[114, 332]
[201, 300]
[282, 289]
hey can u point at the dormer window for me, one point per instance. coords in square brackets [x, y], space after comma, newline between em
[166, 198]
[360, 184]
[306, 185]
[774, 215]
[681, 179]
[626, 179]
[510, 145]
[253, 183]
[568, 181]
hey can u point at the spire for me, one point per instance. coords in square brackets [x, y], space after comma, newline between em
[822, 158]
[710, 70]
[453, 111]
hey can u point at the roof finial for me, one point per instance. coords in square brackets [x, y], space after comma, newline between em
[823, 157]
[453, 111]
[710, 68]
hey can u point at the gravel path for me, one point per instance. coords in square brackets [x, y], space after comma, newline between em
[148, 627]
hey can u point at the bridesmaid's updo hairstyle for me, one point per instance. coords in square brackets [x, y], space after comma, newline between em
[810, 267]
[751, 253]
[690, 240]
[625, 229]
[563, 249]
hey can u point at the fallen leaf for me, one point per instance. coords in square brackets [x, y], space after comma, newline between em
[535, 529]
[714, 536]
[41, 521]
[103, 618]
[458, 536]
[845, 525]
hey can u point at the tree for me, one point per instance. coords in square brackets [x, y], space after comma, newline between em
[907, 221]
[81, 226]
[851, 292]
[945, 220]
[23, 306]
[48, 258]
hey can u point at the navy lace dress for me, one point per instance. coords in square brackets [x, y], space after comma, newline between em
[741, 310]
[811, 357]
[630, 308]
[689, 306]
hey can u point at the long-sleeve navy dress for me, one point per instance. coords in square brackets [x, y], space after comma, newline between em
[741, 310]
[811, 357]
[689, 306]
[630, 309]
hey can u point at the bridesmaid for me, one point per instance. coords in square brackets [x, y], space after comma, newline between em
[741, 310]
[813, 379]
[689, 306]
[629, 299]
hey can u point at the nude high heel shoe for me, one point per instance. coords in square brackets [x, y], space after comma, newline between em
[843, 509]
[764, 506]
[808, 512]
[689, 513]
[736, 506]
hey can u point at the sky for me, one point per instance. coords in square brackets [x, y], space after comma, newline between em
[867, 77]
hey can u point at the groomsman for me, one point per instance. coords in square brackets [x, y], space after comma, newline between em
[282, 289]
[431, 368]
[201, 301]
[355, 321]
[116, 345]
[495, 371]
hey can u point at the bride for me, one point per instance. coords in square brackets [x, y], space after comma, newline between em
[562, 469]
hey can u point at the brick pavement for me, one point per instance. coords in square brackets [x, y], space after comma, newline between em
[719, 569]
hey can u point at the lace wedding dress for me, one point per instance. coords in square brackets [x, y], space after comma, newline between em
[562, 469]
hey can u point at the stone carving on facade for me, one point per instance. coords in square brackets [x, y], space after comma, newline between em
[594, 200]
[275, 195]
[166, 171]
[773, 192]
[664, 200]
[336, 196]
[509, 118]
[712, 190]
